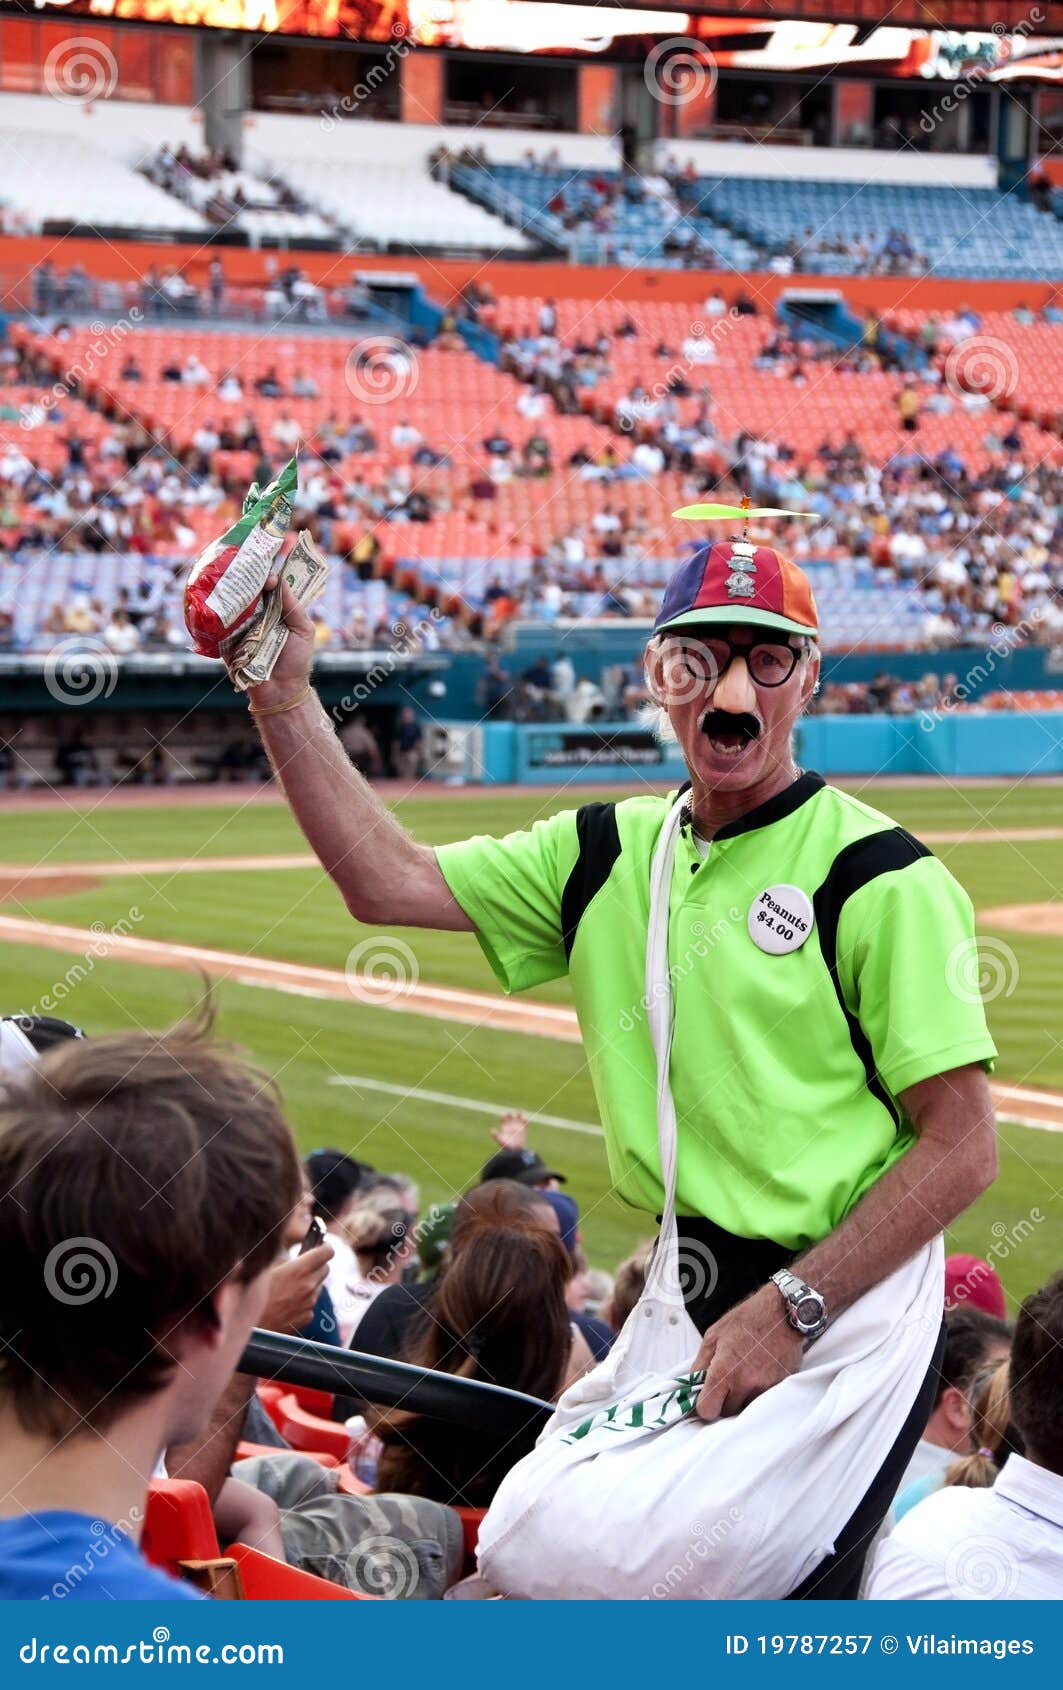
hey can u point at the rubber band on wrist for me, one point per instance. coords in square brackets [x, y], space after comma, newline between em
[285, 704]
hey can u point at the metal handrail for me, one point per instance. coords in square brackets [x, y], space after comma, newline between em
[393, 1384]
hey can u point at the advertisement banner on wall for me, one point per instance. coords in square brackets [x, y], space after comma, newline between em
[1010, 48]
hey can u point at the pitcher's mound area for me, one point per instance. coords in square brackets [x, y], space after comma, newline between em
[1025, 918]
[31, 883]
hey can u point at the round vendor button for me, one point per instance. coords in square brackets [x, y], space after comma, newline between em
[780, 919]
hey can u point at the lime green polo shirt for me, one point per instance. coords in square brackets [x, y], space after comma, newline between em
[786, 1069]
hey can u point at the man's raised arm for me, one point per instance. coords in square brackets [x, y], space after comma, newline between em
[384, 876]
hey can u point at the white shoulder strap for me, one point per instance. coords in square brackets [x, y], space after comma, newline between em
[660, 1018]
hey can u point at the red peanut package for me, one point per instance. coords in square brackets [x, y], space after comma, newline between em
[223, 593]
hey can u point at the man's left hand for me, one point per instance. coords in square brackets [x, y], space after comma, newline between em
[750, 1349]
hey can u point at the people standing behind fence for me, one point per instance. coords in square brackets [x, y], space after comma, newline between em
[409, 745]
[997, 1533]
[360, 744]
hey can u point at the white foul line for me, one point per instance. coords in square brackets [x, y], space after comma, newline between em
[358, 1082]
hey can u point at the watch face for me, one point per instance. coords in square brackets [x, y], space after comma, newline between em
[809, 1311]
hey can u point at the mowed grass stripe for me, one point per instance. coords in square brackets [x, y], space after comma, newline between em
[298, 916]
[90, 829]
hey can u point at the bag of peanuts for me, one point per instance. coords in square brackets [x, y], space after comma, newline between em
[223, 593]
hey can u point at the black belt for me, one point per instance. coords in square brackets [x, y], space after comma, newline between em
[717, 1269]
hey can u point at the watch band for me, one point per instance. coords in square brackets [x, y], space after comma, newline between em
[795, 1291]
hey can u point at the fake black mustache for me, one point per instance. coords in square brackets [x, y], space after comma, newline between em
[718, 722]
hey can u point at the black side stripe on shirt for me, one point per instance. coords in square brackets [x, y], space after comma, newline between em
[862, 861]
[599, 848]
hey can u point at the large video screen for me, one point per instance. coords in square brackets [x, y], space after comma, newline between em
[517, 26]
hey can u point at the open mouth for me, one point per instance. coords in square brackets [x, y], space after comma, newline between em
[729, 734]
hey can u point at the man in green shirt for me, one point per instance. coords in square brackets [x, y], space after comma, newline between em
[828, 1068]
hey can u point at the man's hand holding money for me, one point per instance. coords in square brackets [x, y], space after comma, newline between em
[252, 655]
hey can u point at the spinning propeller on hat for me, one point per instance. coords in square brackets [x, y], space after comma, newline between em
[733, 513]
[737, 580]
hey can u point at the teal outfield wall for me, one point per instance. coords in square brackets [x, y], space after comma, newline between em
[952, 743]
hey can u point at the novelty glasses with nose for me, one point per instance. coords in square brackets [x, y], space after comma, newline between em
[703, 662]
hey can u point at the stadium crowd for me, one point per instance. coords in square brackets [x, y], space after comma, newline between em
[549, 690]
[213, 181]
[978, 545]
[599, 203]
[164, 294]
[492, 1285]
[983, 542]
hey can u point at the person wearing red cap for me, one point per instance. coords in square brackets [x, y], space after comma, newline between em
[795, 955]
[971, 1283]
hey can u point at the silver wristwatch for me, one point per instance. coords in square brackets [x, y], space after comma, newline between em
[806, 1310]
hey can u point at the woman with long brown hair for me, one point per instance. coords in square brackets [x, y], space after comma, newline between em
[498, 1315]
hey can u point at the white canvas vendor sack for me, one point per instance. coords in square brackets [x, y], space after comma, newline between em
[627, 1494]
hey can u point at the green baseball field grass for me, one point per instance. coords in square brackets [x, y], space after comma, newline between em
[406, 1091]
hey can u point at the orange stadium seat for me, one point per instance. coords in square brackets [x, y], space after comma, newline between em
[315, 1402]
[267, 1580]
[245, 1451]
[455, 400]
[310, 1432]
[270, 1395]
[179, 1537]
[178, 1524]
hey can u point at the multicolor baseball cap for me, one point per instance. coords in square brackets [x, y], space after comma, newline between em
[737, 581]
